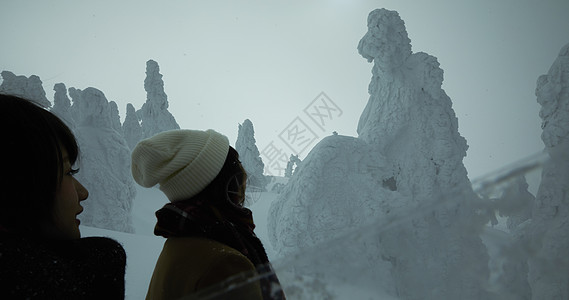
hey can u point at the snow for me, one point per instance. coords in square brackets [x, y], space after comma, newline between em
[131, 128]
[62, 105]
[27, 87]
[154, 112]
[115, 118]
[389, 214]
[249, 156]
[312, 206]
[408, 153]
[549, 229]
[147, 202]
[104, 164]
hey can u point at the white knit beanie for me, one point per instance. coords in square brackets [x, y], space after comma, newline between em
[183, 162]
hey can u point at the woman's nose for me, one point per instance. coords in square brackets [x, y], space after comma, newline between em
[82, 192]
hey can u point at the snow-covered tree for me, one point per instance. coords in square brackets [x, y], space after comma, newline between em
[516, 203]
[290, 165]
[408, 155]
[154, 112]
[105, 165]
[249, 156]
[77, 105]
[132, 131]
[62, 104]
[28, 88]
[115, 118]
[549, 230]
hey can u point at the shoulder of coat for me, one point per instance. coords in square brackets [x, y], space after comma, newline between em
[197, 244]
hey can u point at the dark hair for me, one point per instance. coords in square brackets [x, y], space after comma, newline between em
[228, 187]
[33, 141]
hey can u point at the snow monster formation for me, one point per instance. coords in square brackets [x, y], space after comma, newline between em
[250, 157]
[104, 163]
[132, 131]
[62, 105]
[76, 107]
[549, 228]
[115, 118]
[154, 113]
[407, 161]
[28, 88]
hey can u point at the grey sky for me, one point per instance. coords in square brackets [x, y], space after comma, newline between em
[225, 61]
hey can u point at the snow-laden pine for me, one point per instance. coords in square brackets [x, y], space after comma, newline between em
[408, 154]
[104, 164]
[250, 157]
[26, 87]
[131, 128]
[115, 118]
[62, 105]
[154, 112]
[549, 228]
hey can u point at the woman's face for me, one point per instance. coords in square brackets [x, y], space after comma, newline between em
[67, 203]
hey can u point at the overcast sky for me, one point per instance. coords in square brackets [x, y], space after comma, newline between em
[227, 61]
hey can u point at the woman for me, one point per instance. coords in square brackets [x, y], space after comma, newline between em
[41, 253]
[209, 233]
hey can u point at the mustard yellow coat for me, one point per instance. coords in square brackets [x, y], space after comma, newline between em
[190, 264]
